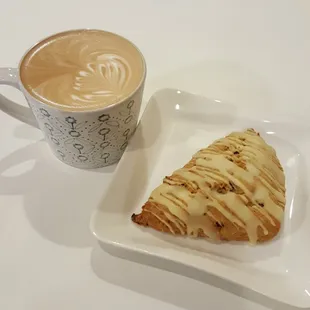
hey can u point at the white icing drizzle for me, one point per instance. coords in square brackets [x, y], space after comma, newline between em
[190, 193]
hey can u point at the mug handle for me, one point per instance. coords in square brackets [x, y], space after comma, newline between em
[9, 76]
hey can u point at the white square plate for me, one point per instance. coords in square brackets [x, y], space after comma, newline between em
[174, 126]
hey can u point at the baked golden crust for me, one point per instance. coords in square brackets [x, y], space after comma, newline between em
[232, 190]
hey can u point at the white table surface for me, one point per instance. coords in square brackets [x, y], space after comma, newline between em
[252, 53]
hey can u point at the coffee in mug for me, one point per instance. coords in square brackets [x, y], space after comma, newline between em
[82, 70]
[84, 88]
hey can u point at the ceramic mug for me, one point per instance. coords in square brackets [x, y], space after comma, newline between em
[83, 139]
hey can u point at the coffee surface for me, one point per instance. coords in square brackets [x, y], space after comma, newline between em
[82, 70]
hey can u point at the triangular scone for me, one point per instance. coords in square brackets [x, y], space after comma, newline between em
[232, 190]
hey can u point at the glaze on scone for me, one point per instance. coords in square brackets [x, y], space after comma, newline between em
[232, 190]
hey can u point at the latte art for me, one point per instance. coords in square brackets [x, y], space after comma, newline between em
[82, 70]
[108, 72]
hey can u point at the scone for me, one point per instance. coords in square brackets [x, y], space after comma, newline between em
[232, 190]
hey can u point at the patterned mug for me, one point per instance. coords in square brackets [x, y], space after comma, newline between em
[83, 139]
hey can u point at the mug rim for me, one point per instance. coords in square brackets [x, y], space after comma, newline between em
[111, 106]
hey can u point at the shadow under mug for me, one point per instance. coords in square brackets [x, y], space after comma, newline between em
[82, 139]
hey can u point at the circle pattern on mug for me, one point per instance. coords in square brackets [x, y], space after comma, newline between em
[93, 141]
